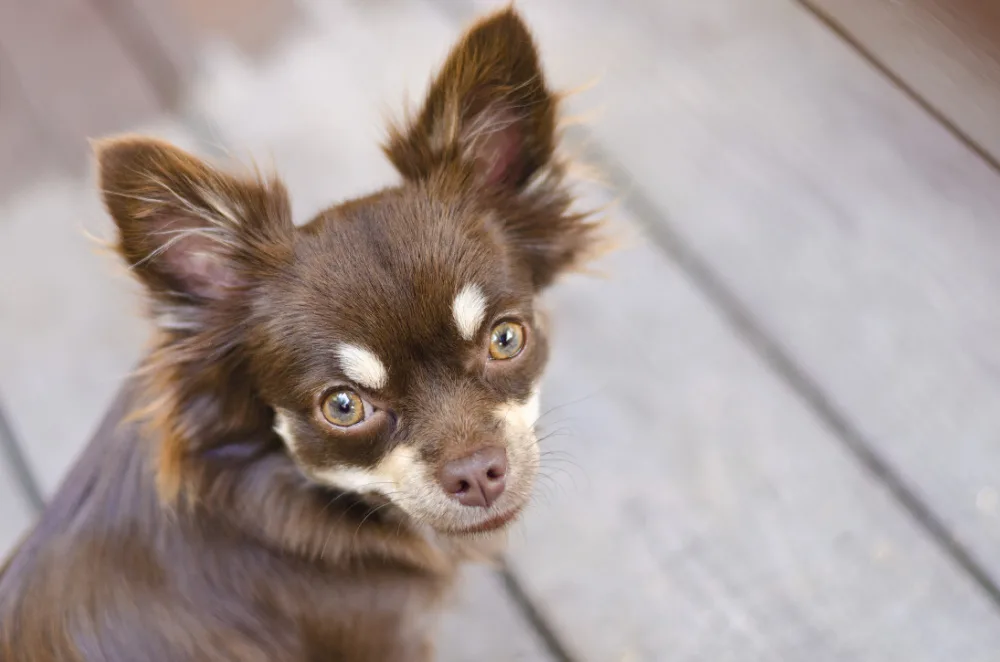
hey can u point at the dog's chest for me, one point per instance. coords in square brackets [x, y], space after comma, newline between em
[369, 613]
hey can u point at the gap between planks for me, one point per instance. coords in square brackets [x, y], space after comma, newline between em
[137, 38]
[741, 319]
[11, 449]
[939, 116]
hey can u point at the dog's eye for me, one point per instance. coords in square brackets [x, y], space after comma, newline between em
[506, 340]
[344, 408]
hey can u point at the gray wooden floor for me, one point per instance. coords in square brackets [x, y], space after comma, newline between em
[775, 423]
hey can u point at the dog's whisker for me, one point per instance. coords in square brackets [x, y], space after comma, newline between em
[571, 403]
[557, 461]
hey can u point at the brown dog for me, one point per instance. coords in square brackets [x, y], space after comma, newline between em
[335, 416]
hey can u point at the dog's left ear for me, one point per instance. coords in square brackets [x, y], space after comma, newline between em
[488, 109]
[201, 241]
[192, 234]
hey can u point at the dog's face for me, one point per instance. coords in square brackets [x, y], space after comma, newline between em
[417, 354]
[393, 342]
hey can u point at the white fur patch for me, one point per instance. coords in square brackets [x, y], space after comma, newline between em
[283, 426]
[173, 322]
[353, 479]
[523, 453]
[384, 478]
[400, 464]
[522, 417]
[362, 366]
[469, 309]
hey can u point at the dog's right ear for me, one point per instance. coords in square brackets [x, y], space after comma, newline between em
[488, 109]
[190, 233]
[489, 124]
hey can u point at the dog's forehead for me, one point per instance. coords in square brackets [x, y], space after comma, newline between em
[400, 275]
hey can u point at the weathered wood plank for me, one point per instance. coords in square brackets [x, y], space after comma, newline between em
[24, 147]
[483, 624]
[706, 514]
[15, 508]
[859, 233]
[321, 98]
[73, 71]
[253, 25]
[947, 51]
[161, 45]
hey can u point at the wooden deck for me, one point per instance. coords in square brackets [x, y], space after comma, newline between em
[777, 432]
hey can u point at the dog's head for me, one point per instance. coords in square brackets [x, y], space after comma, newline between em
[393, 342]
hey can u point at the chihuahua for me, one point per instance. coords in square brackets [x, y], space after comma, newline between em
[331, 418]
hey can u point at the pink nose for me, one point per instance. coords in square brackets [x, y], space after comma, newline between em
[476, 479]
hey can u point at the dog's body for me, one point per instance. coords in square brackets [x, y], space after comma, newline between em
[333, 417]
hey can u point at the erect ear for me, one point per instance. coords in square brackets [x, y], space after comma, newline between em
[199, 240]
[488, 109]
[190, 233]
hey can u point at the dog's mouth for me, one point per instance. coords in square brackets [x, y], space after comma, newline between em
[493, 523]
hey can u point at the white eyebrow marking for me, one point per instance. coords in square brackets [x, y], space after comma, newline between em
[362, 366]
[469, 309]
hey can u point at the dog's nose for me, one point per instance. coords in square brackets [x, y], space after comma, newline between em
[476, 479]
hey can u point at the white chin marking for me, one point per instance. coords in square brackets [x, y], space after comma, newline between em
[362, 366]
[469, 309]
[384, 478]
